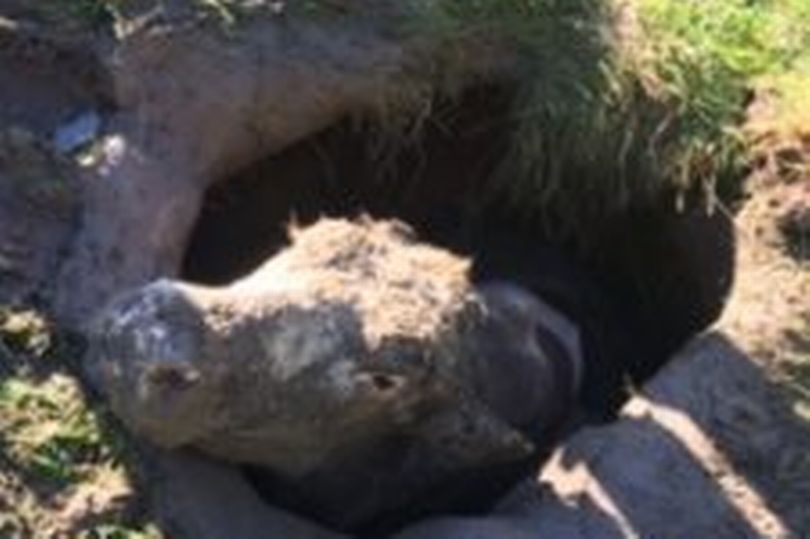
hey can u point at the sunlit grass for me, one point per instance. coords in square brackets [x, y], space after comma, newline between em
[709, 58]
[621, 100]
[55, 445]
[48, 430]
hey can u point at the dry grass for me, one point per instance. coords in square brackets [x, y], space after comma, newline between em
[778, 128]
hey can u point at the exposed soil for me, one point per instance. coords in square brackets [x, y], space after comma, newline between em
[767, 318]
[772, 285]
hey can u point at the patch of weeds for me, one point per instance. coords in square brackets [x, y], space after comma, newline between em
[32, 348]
[56, 450]
[49, 432]
[779, 126]
[618, 101]
[708, 59]
[24, 332]
[565, 149]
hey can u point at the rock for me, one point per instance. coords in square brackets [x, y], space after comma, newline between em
[358, 367]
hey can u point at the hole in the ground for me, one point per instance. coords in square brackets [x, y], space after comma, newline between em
[648, 279]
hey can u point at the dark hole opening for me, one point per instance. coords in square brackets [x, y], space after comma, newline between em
[650, 278]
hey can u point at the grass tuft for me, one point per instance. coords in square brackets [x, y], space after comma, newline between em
[619, 101]
[57, 449]
[47, 429]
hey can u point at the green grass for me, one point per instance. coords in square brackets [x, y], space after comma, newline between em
[23, 332]
[612, 109]
[707, 59]
[569, 89]
[55, 446]
[48, 430]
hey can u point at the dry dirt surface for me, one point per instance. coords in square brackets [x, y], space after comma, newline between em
[768, 318]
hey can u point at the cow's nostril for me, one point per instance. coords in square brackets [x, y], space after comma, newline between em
[383, 382]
